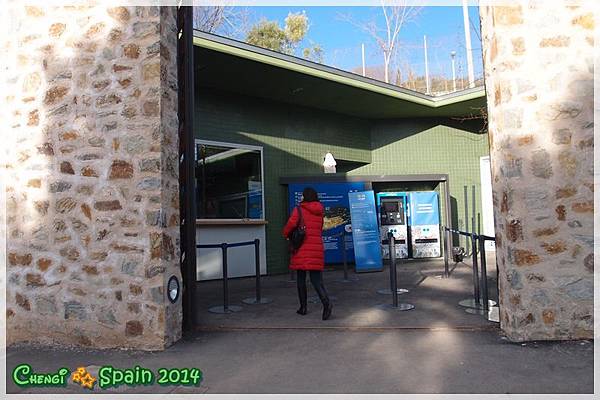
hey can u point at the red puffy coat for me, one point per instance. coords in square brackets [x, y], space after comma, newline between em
[310, 255]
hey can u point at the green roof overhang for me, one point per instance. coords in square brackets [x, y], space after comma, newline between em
[226, 64]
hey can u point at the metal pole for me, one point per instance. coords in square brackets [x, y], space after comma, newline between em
[447, 236]
[484, 287]
[363, 60]
[257, 266]
[466, 216]
[446, 250]
[344, 256]
[453, 54]
[393, 282]
[474, 209]
[258, 299]
[468, 44]
[476, 293]
[225, 285]
[426, 64]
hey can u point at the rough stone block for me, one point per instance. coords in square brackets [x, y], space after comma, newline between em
[74, 309]
[134, 328]
[541, 166]
[107, 205]
[120, 169]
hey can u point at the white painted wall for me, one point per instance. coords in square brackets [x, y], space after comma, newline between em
[487, 204]
[240, 260]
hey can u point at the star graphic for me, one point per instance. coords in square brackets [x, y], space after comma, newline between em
[88, 381]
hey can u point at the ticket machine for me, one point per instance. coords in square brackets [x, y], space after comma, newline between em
[424, 224]
[392, 207]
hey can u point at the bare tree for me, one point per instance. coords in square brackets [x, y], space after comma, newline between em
[396, 14]
[224, 20]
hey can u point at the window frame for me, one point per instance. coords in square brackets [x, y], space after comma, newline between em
[237, 146]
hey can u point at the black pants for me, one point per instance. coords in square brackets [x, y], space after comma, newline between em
[316, 278]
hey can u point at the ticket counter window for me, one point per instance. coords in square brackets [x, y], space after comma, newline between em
[229, 181]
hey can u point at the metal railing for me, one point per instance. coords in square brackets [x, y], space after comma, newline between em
[480, 300]
[226, 307]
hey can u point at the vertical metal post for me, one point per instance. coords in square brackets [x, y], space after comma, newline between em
[393, 282]
[476, 293]
[474, 209]
[466, 216]
[484, 287]
[446, 250]
[258, 299]
[447, 237]
[344, 255]
[225, 285]
[257, 265]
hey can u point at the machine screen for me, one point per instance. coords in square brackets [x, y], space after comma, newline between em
[390, 207]
[392, 212]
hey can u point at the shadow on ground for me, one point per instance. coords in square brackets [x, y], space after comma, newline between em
[356, 304]
[436, 348]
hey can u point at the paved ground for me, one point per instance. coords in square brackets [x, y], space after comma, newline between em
[356, 304]
[436, 348]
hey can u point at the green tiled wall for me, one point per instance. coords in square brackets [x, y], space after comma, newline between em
[423, 146]
[295, 139]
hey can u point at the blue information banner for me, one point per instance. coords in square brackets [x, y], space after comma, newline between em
[424, 208]
[334, 197]
[365, 232]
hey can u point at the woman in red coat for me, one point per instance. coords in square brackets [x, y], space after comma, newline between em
[310, 256]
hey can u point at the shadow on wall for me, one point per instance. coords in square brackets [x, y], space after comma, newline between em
[296, 138]
[386, 132]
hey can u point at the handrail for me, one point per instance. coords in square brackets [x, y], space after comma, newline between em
[480, 297]
[220, 245]
[474, 235]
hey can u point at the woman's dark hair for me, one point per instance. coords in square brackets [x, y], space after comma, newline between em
[309, 194]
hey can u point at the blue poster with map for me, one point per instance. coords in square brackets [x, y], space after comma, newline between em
[334, 197]
[365, 230]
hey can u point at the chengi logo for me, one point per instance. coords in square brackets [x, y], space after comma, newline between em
[84, 378]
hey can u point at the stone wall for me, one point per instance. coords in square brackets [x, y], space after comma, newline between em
[538, 62]
[92, 176]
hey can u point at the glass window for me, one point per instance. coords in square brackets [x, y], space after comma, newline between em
[229, 181]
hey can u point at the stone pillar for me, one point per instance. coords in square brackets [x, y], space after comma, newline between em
[538, 62]
[92, 176]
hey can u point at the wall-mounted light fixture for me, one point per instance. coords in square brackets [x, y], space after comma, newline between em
[329, 163]
[173, 289]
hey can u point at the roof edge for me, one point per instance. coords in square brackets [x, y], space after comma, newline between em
[296, 64]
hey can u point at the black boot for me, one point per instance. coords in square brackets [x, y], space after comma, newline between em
[302, 295]
[327, 306]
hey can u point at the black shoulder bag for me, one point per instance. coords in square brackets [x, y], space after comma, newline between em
[298, 233]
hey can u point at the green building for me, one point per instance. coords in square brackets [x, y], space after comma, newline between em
[276, 116]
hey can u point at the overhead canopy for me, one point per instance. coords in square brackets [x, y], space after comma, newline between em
[237, 67]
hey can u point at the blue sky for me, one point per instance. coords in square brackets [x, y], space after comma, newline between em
[341, 40]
